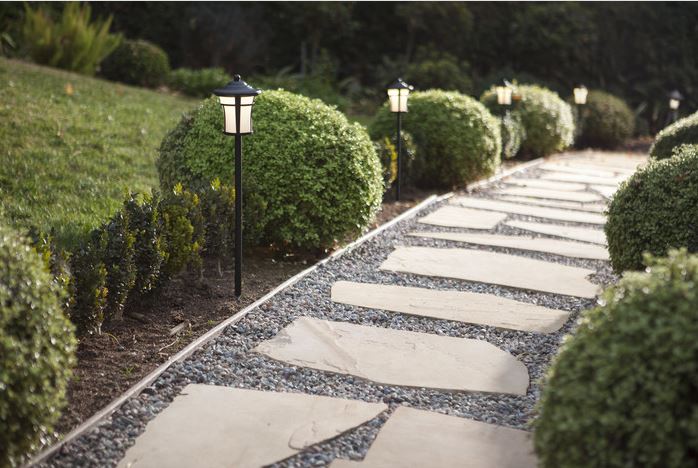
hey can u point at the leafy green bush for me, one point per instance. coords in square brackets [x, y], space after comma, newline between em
[315, 176]
[622, 390]
[386, 148]
[433, 70]
[218, 210]
[681, 132]
[655, 210]
[182, 230]
[457, 139]
[198, 83]
[37, 349]
[73, 43]
[606, 121]
[148, 256]
[89, 285]
[119, 260]
[139, 63]
[512, 129]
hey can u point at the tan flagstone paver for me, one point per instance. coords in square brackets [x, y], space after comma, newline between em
[219, 427]
[545, 184]
[605, 190]
[528, 210]
[595, 236]
[454, 216]
[414, 438]
[581, 178]
[536, 244]
[590, 207]
[551, 194]
[559, 167]
[483, 309]
[397, 357]
[494, 268]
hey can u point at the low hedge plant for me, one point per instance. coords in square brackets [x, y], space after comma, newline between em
[655, 210]
[622, 390]
[197, 83]
[457, 139]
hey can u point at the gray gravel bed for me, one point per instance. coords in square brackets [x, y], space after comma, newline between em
[228, 360]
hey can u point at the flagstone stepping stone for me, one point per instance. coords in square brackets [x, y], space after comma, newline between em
[546, 184]
[397, 357]
[414, 438]
[595, 236]
[481, 309]
[559, 167]
[605, 190]
[590, 207]
[493, 268]
[551, 194]
[213, 426]
[536, 244]
[453, 216]
[582, 178]
[527, 210]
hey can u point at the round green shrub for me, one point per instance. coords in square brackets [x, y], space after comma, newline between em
[37, 347]
[316, 178]
[547, 121]
[622, 390]
[138, 63]
[655, 210]
[457, 139]
[606, 121]
[681, 132]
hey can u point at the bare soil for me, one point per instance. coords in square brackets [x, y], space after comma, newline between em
[186, 308]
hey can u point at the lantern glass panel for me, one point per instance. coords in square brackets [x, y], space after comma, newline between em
[503, 95]
[229, 106]
[580, 95]
[398, 99]
[674, 104]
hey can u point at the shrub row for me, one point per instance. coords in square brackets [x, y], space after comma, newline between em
[655, 210]
[621, 392]
[37, 347]
[149, 240]
[311, 178]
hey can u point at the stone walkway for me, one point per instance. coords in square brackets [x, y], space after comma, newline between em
[423, 348]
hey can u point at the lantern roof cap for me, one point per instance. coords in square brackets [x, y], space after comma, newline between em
[400, 84]
[675, 94]
[580, 86]
[237, 87]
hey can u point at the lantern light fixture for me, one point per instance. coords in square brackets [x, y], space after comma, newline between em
[580, 94]
[398, 92]
[237, 99]
[504, 93]
[675, 98]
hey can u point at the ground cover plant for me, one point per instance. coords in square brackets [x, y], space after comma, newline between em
[311, 178]
[72, 145]
[457, 139]
[37, 348]
[655, 210]
[681, 132]
[621, 392]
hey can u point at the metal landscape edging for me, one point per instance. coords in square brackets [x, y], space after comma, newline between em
[198, 343]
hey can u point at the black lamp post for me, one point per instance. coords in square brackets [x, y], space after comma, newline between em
[237, 99]
[675, 98]
[398, 92]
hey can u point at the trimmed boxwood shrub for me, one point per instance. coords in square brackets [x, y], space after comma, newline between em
[198, 83]
[513, 135]
[37, 349]
[681, 132]
[622, 390]
[457, 139]
[547, 123]
[310, 177]
[138, 63]
[655, 210]
[606, 121]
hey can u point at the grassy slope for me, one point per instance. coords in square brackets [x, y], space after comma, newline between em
[69, 155]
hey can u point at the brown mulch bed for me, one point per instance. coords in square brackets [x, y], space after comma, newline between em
[125, 352]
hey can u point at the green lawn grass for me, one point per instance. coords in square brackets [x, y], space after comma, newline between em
[72, 146]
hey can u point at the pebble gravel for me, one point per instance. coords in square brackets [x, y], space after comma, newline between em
[227, 360]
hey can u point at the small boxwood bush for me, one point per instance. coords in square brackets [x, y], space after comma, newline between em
[37, 349]
[316, 177]
[198, 83]
[458, 140]
[681, 132]
[622, 390]
[606, 121]
[138, 63]
[655, 210]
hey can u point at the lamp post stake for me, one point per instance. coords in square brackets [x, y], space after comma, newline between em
[399, 159]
